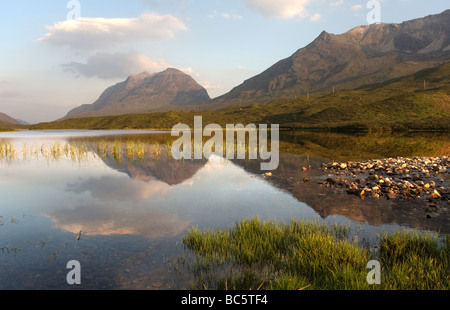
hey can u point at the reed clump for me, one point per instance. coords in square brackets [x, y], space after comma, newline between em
[7, 151]
[80, 151]
[302, 254]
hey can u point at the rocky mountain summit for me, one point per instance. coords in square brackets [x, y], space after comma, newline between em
[144, 93]
[364, 55]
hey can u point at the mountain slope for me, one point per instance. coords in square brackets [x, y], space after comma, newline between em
[400, 104]
[143, 93]
[6, 120]
[364, 55]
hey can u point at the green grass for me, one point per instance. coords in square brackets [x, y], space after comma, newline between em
[415, 261]
[257, 254]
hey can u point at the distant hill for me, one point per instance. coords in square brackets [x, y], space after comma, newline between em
[144, 93]
[362, 56]
[23, 122]
[7, 121]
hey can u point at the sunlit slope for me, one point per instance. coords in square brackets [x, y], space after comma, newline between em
[417, 102]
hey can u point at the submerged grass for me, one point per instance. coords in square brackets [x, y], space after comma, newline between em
[7, 151]
[311, 255]
[80, 151]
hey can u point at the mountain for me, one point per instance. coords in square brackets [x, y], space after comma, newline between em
[362, 56]
[23, 122]
[8, 120]
[144, 93]
[420, 101]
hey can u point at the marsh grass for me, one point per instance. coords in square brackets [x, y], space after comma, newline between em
[415, 260]
[82, 151]
[8, 151]
[56, 151]
[120, 150]
[311, 255]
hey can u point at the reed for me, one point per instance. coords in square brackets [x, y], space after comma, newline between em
[102, 149]
[118, 149]
[310, 255]
[7, 151]
[117, 152]
[130, 147]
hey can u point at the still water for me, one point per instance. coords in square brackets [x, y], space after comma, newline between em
[118, 203]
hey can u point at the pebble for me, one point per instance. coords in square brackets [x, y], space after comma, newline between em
[393, 178]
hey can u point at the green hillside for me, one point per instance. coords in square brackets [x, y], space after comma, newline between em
[417, 102]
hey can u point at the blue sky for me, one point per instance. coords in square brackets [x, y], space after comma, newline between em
[50, 64]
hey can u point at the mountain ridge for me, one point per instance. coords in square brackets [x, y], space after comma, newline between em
[363, 55]
[401, 104]
[144, 93]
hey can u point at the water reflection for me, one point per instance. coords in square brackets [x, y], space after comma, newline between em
[320, 148]
[112, 219]
[131, 202]
[317, 148]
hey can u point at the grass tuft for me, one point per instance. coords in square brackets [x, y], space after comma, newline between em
[311, 255]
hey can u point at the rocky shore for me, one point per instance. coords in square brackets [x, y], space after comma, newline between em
[426, 178]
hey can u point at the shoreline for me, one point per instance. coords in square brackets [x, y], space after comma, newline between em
[426, 178]
[336, 188]
[421, 183]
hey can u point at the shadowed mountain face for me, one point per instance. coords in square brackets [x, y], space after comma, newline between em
[144, 93]
[364, 55]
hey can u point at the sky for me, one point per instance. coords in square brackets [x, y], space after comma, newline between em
[58, 54]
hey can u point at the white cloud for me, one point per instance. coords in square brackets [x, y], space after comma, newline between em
[212, 15]
[315, 17]
[224, 15]
[337, 3]
[231, 16]
[187, 70]
[279, 8]
[101, 33]
[241, 68]
[211, 86]
[118, 65]
[356, 8]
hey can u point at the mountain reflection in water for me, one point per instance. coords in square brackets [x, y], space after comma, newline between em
[119, 203]
[320, 148]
